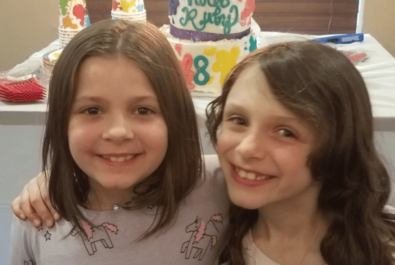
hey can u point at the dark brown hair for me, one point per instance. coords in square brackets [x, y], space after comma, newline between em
[182, 165]
[320, 85]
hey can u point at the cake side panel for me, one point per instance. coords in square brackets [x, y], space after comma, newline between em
[207, 64]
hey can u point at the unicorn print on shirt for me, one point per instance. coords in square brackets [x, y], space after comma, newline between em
[95, 235]
[203, 237]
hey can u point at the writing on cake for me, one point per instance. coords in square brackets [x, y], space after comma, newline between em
[224, 14]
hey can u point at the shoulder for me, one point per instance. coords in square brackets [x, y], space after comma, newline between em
[211, 186]
[389, 209]
[390, 240]
[212, 175]
[212, 168]
[211, 161]
[21, 241]
[20, 227]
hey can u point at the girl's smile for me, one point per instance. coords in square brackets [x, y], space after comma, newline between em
[249, 178]
[117, 133]
[119, 159]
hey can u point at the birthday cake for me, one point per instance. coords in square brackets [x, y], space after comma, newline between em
[209, 38]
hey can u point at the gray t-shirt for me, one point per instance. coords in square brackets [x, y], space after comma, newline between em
[194, 237]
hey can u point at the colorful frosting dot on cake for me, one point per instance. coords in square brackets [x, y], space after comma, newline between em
[225, 62]
[186, 66]
[253, 44]
[210, 52]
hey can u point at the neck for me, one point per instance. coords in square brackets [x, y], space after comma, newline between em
[289, 221]
[295, 227]
[104, 200]
[293, 216]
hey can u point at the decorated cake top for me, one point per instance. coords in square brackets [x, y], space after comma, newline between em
[202, 20]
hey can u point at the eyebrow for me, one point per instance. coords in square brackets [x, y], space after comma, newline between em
[103, 100]
[281, 118]
[88, 98]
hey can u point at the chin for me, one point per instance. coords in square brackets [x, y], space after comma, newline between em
[243, 202]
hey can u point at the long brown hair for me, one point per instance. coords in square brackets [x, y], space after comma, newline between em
[320, 85]
[182, 165]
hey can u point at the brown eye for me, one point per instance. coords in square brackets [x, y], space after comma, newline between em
[92, 111]
[237, 121]
[286, 133]
[144, 111]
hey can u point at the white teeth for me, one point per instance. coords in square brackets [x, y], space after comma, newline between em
[120, 158]
[242, 174]
[250, 175]
[263, 177]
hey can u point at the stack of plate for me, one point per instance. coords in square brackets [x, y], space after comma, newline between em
[49, 61]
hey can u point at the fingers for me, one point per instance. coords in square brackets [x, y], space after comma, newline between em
[34, 204]
[24, 206]
[43, 187]
[39, 199]
[16, 209]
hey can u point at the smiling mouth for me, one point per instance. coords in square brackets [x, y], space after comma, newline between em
[119, 158]
[251, 175]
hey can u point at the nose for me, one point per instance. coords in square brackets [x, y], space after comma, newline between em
[118, 130]
[252, 146]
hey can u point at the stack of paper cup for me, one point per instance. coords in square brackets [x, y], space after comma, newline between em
[132, 10]
[73, 17]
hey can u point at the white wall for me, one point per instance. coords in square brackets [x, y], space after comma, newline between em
[26, 26]
[379, 21]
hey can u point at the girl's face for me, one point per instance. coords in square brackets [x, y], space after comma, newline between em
[263, 147]
[117, 134]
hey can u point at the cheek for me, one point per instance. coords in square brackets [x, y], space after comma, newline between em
[293, 160]
[79, 135]
[221, 145]
[226, 142]
[156, 137]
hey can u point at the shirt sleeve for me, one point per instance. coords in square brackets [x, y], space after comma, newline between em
[21, 249]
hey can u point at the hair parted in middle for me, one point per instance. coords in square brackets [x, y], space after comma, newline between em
[182, 166]
[321, 86]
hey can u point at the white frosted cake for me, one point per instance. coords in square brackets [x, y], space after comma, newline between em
[209, 38]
